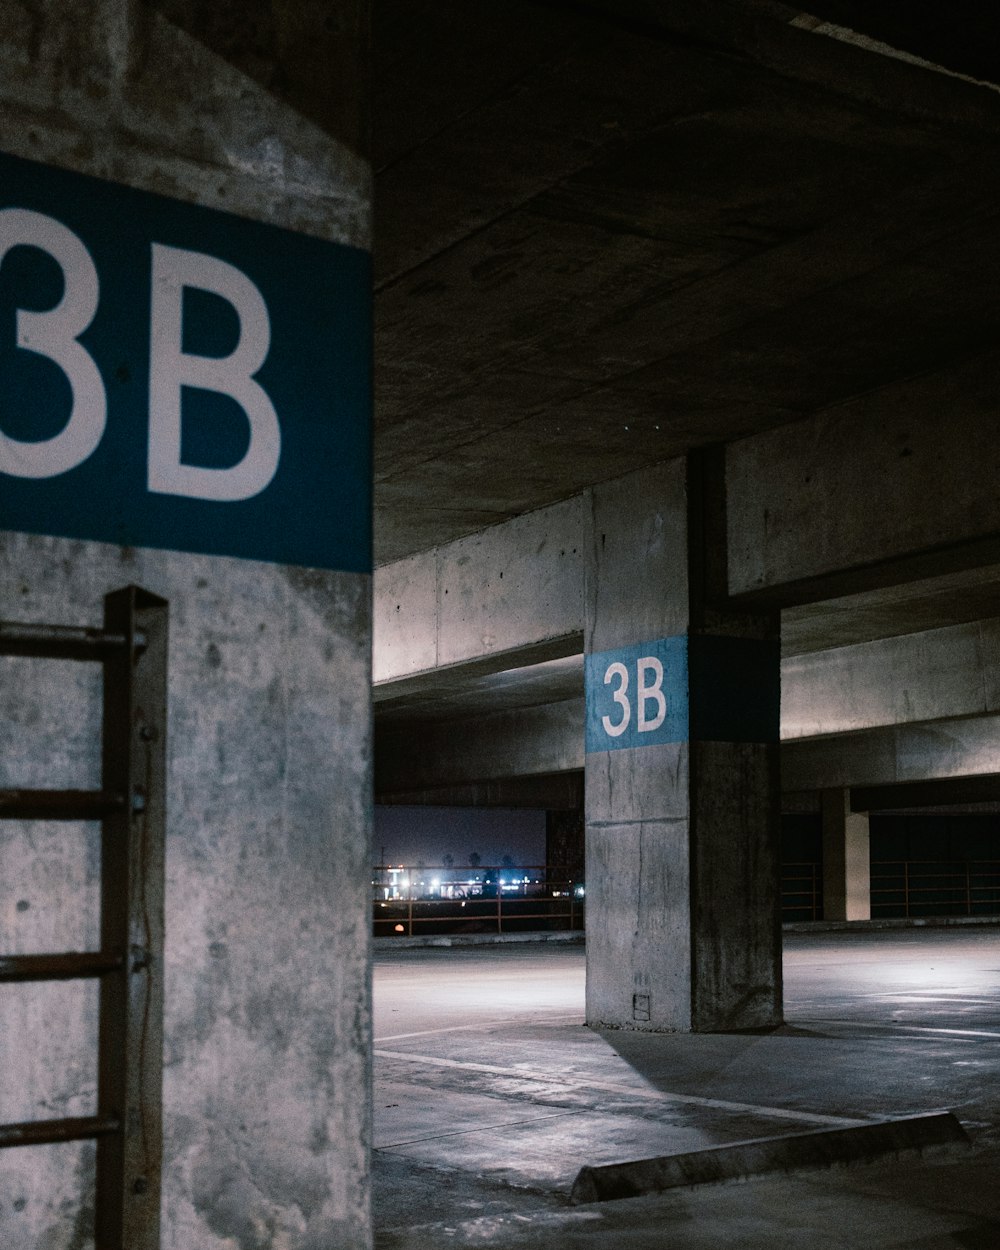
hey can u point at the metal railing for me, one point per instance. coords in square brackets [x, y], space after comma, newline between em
[952, 887]
[902, 888]
[802, 890]
[409, 900]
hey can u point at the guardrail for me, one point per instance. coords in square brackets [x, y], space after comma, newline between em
[902, 888]
[440, 898]
[410, 899]
[802, 890]
[917, 888]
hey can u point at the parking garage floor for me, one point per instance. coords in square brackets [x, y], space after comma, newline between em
[491, 1094]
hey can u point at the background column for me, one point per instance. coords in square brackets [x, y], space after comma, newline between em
[846, 860]
[683, 923]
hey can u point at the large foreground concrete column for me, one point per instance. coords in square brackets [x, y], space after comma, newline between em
[683, 925]
[846, 859]
[266, 1019]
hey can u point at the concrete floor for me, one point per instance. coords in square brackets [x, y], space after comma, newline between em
[490, 1094]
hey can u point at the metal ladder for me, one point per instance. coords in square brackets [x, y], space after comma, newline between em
[132, 647]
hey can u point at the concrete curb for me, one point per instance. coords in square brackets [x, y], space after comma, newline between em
[825, 1148]
[476, 939]
[578, 936]
[868, 926]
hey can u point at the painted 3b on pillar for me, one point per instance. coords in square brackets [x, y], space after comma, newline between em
[172, 376]
[688, 687]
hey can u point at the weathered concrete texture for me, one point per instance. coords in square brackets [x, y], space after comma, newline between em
[636, 577]
[899, 753]
[846, 859]
[932, 675]
[876, 479]
[946, 675]
[735, 895]
[639, 925]
[550, 792]
[305, 52]
[484, 750]
[267, 1014]
[405, 617]
[49, 901]
[468, 599]
[647, 784]
[922, 675]
[682, 879]
[266, 1089]
[824, 1148]
[520, 743]
[111, 88]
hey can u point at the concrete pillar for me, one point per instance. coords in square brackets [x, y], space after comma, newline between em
[683, 920]
[266, 1024]
[846, 860]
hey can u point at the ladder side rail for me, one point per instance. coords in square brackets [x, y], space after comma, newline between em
[127, 1214]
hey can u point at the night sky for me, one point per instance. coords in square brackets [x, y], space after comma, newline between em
[426, 834]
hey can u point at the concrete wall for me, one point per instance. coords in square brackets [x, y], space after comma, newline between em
[522, 742]
[947, 675]
[904, 476]
[833, 503]
[894, 754]
[266, 1095]
[496, 593]
[836, 501]
[931, 675]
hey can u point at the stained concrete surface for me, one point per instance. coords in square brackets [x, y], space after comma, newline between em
[490, 1094]
[264, 1023]
[268, 829]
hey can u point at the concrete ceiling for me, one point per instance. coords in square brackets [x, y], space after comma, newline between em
[609, 232]
[606, 233]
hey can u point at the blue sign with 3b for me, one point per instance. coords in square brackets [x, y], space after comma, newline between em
[173, 376]
[637, 696]
[700, 688]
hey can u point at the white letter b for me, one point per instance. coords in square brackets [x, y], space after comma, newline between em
[649, 663]
[170, 369]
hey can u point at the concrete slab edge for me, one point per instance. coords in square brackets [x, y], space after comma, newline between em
[869, 926]
[797, 1152]
[475, 939]
[579, 937]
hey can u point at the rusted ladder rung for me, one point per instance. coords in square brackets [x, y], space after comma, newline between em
[132, 649]
[49, 1132]
[71, 966]
[59, 804]
[62, 642]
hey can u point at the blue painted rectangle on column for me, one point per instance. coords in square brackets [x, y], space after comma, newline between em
[173, 376]
[637, 696]
[702, 688]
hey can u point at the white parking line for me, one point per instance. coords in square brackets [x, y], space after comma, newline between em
[647, 1092]
[464, 1132]
[910, 1028]
[520, 1021]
